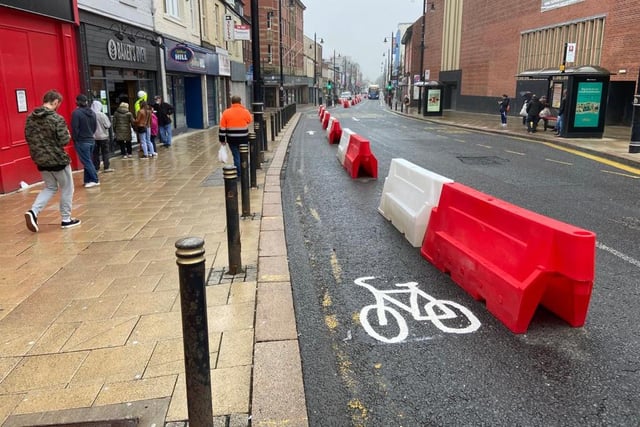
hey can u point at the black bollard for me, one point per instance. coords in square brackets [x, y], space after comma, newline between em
[260, 128]
[634, 144]
[195, 331]
[259, 153]
[230, 174]
[253, 159]
[272, 122]
[244, 180]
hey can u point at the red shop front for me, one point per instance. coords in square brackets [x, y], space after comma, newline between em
[38, 52]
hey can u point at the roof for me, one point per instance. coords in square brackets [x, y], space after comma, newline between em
[592, 70]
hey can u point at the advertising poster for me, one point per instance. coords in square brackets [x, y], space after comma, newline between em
[588, 105]
[433, 100]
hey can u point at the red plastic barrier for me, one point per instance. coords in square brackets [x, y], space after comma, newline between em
[320, 111]
[512, 258]
[358, 159]
[335, 133]
[345, 103]
[325, 119]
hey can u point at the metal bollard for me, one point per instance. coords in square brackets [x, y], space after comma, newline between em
[253, 159]
[230, 174]
[279, 119]
[257, 128]
[195, 331]
[244, 179]
[272, 121]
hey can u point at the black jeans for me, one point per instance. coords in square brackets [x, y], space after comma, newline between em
[101, 149]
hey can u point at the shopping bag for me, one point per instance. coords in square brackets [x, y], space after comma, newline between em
[223, 154]
[523, 110]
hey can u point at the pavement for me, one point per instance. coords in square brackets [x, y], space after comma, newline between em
[90, 322]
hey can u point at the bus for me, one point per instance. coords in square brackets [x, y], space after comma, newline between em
[374, 92]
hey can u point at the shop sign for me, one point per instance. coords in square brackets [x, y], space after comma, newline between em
[120, 51]
[181, 54]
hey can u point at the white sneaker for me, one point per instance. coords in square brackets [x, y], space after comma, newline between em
[91, 184]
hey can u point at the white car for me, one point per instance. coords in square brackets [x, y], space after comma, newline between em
[346, 95]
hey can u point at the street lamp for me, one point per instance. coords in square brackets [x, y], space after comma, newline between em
[424, 14]
[281, 53]
[390, 64]
[315, 65]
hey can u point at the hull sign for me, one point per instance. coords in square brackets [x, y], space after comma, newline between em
[181, 54]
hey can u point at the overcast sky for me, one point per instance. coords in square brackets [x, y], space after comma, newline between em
[357, 28]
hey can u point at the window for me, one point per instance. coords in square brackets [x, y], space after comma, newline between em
[544, 47]
[204, 23]
[269, 20]
[269, 54]
[172, 8]
[218, 28]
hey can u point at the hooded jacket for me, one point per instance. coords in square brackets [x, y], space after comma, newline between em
[122, 121]
[47, 134]
[103, 123]
[83, 124]
[142, 96]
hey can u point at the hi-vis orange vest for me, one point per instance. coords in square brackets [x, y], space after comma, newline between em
[234, 124]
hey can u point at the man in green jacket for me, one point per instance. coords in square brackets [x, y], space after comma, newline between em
[47, 134]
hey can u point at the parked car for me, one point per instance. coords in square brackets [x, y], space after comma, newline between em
[346, 95]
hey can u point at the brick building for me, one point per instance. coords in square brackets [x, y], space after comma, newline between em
[477, 49]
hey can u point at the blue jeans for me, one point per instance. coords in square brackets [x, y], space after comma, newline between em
[165, 134]
[503, 117]
[559, 123]
[85, 152]
[235, 151]
[144, 138]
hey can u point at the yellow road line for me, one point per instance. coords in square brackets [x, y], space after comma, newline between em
[595, 158]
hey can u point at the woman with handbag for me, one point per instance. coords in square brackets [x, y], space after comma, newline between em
[141, 124]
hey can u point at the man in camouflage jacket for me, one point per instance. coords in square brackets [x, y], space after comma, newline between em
[47, 134]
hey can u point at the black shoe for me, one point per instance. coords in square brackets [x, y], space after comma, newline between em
[32, 221]
[71, 223]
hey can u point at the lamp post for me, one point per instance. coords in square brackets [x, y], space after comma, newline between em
[281, 53]
[390, 65]
[424, 15]
[315, 65]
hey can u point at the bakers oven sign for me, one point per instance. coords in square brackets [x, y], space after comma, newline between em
[119, 51]
[181, 54]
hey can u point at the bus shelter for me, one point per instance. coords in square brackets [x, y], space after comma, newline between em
[432, 92]
[586, 88]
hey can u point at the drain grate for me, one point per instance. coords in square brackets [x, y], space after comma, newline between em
[482, 160]
[220, 276]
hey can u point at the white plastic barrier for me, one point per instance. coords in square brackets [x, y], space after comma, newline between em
[344, 144]
[408, 195]
[331, 120]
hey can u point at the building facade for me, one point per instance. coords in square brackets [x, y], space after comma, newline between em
[477, 52]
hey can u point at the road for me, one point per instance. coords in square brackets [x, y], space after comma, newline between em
[552, 375]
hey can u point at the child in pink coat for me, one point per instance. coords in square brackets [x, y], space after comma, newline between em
[154, 130]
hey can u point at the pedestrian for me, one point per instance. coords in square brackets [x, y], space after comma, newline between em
[122, 124]
[154, 129]
[142, 97]
[561, 111]
[142, 127]
[101, 135]
[533, 114]
[504, 109]
[164, 111]
[47, 134]
[83, 126]
[545, 113]
[234, 128]
[526, 99]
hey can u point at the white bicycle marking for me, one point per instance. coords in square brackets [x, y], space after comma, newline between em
[436, 311]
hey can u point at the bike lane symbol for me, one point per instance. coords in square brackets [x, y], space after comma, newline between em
[442, 313]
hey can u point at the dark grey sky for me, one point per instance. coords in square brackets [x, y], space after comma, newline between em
[357, 28]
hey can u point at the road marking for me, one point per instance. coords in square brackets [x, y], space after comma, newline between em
[311, 132]
[355, 119]
[336, 270]
[619, 254]
[315, 214]
[558, 161]
[620, 174]
[485, 146]
[515, 152]
[460, 140]
[595, 158]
